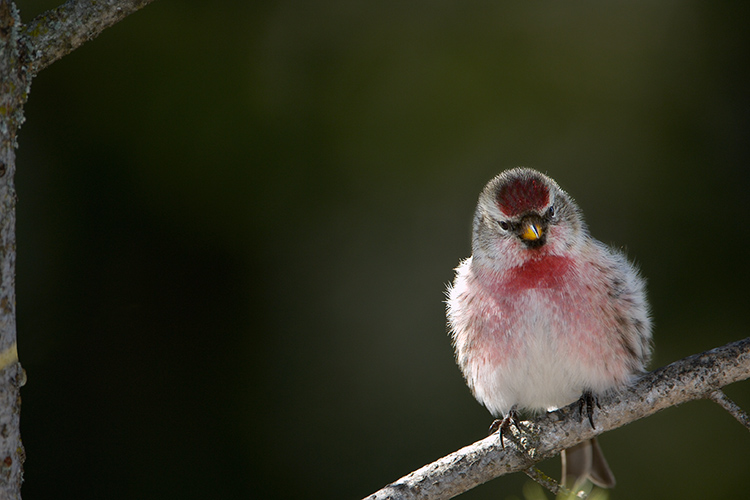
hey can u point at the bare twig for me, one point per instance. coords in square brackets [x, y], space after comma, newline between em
[694, 377]
[730, 406]
[547, 482]
[57, 32]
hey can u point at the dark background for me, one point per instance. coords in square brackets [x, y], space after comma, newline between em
[236, 221]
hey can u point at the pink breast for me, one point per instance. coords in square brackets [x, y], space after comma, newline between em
[545, 272]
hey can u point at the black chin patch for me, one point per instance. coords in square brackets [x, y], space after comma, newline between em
[535, 243]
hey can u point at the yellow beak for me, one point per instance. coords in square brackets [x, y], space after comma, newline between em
[532, 231]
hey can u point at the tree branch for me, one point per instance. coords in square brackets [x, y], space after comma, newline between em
[60, 31]
[695, 377]
[720, 398]
[24, 51]
[14, 87]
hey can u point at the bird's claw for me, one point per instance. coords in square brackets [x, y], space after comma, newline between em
[503, 425]
[588, 399]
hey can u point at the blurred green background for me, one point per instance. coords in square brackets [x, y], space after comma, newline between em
[236, 221]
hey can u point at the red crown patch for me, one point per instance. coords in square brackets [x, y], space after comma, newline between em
[521, 195]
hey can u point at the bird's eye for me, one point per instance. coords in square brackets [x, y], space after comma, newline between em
[504, 225]
[551, 211]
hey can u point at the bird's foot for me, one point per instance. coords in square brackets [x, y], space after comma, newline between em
[588, 400]
[503, 425]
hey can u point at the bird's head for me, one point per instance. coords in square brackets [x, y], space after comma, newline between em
[523, 213]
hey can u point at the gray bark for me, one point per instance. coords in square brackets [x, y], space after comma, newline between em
[24, 51]
[59, 31]
[13, 91]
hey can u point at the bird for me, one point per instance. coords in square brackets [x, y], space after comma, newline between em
[542, 314]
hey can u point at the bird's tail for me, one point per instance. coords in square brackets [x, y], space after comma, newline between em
[586, 461]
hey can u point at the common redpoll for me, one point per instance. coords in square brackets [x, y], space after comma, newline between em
[542, 314]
